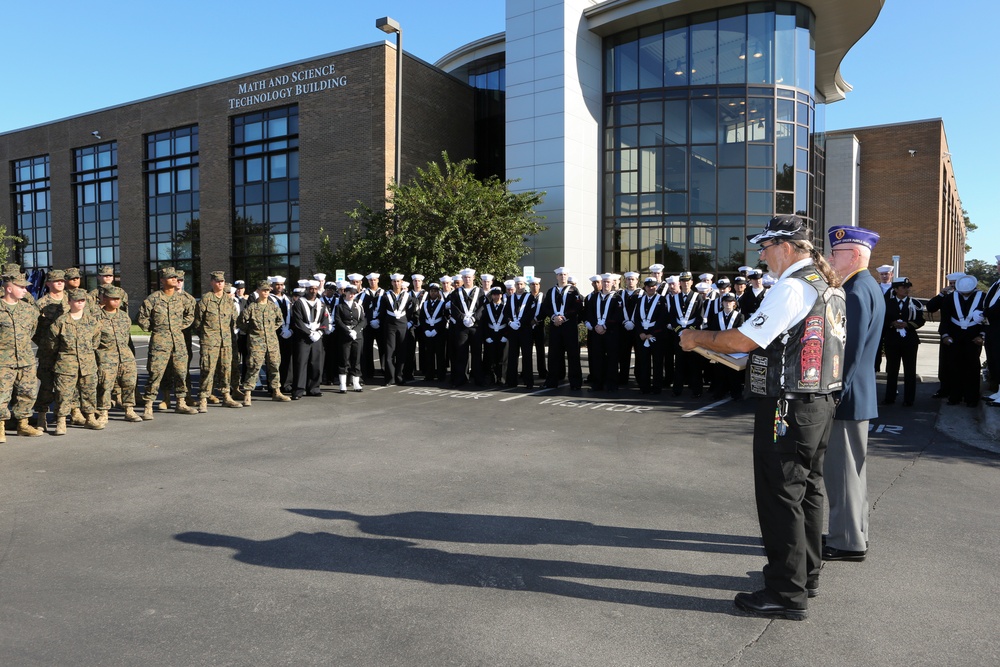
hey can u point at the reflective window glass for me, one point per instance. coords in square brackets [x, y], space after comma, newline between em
[651, 57]
[703, 54]
[733, 49]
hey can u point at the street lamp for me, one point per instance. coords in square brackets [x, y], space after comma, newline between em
[389, 26]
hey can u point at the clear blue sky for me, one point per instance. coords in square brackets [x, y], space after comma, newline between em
[921, 60]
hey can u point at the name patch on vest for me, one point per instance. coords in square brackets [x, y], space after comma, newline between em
[758, 374]
[811, 357]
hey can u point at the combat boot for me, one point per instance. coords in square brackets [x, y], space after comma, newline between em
[43, 421]
[147, 413]
[278, 396]
[93, 423]
[102, 416]
[77, 418]
[228, 401]
[164, 406]
[130, 415]
[3, 433]
[24, 428]
[213, 399]
[60, 426]
[246, 398]
[203, 405]
[182, 407]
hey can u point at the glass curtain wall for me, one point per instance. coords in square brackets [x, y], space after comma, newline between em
[32, 212]
[488, 77]
[172, 205]
[95, 184]
[709, 130]
[265, 161]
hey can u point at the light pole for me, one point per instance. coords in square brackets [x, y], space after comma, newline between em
[389, 26]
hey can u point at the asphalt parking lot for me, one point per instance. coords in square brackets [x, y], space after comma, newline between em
[421, 525]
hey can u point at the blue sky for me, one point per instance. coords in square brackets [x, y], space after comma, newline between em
[921, 60]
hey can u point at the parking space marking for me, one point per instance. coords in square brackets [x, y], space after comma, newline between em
[707, 407]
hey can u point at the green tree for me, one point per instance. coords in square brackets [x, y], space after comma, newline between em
[969, 227]
[985, 272]
[443, 220]
[7, 244]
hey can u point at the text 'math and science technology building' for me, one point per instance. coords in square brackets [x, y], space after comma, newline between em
[661, 131]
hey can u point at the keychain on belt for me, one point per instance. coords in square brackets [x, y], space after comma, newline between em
[780, 425]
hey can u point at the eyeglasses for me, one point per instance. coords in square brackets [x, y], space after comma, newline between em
[763, 247]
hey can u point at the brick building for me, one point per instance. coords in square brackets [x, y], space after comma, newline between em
[898, 180]
[239, 174]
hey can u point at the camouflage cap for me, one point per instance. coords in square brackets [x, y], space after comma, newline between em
[180, 274]
[77, 294]
[18, 279]
[11, 269]
[72, 273]
[113, 292]
[263, 286]
[168, 272]
[54, 275]
[106, 271]
[219, 275]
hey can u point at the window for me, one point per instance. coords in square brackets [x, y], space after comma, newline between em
[95, 185]
[32, 214]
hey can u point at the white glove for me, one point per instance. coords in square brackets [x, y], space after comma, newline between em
[374, 324]
[313, 326]
[315, 336]
[589, 326]
[515, 325]
[503, 339]
[468, 321]
[649, 340]
[430, 333]
[409, 325]
[286, 332]
[629, 325]
[353, 334]
[489, 340]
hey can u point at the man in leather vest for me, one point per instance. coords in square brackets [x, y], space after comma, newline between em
[794, 341]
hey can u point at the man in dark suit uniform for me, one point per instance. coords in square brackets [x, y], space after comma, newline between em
[433, 332]
[465, 305]
[963, 332]
[349, 322]
[752, 296]
[844, 468]
[310, 320]
[563, 306]
[903, 316]
[604, 318]
[519, 313]
[396, 313]
[933, 305]
[992, 313]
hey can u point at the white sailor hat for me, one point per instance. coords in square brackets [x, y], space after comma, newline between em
[966, 284]
[952, 277]
[456, 279]
[321, 277]
[447, 279]
[705, 277]
[769, 280]
[508, 283]
[656, 268]
[330, 284]
[405, 284]
[314, 283]
[671, 280]
[344, 284]
[745, 269]
[631, 274]
[885, 268]
[231, 289]
[304, 282]
[280, 280]
[468, 272]
[560, 269]
[722, 281]
[396, 276]
[416, 276]
[703, 286]
[535, 280]
[607, 276]
[486, 276]
[353, 277]
[616, 276]
[299, 290]
[596, 278]
[373, 275]
[520, 279]
[571, 280]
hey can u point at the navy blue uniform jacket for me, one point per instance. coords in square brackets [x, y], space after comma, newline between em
[865, 316]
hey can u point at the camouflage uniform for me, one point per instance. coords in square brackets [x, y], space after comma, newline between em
[166, 317]
[17, 359]
[75, 341]
[50, 310]
[214, 319]
[261, 321]
[115, 360]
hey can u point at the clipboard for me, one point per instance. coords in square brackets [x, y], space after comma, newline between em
[737, 362]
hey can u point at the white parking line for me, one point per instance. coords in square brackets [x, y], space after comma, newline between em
[534, 393]
[707, 407]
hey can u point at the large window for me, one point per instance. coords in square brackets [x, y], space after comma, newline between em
[709, 130]
[265, 155]
[488, 77]
[172, 205]
[32, 212]
[95, 182]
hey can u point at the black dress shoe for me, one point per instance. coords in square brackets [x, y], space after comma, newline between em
[812, 592]
[760, 604]
[296, 397]
[833, 553]
[889, 401]
[315, 393]
[938, 394]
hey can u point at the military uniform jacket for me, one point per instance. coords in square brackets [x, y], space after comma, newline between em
[18, 323]
[606, 310]
[992, 307]
[520, 308]
[962, 316]
[494, 322]
[348, 317]
[49, 310]
[260, 322]
[654, 310]
[907, 310]
[461, 301]
[370, 301]
[112, 348]
[750, 302]
[215, 318]
[396, 310]
[685, 310]
[304, 313]
[166, 317]
[564, 300]
[76, 343]
[430, 317]
[629, 302]
[865, 307]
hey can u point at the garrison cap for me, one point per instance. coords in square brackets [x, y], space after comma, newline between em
[842, 234]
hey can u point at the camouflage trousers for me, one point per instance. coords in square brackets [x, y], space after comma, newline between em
[21, 381]
[216, 366]
[69, 386]
[162, 361]
[47, 384]
[124, 376]
[261, 356]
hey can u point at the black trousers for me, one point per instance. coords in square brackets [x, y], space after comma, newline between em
[287, 349]
[649, 360]
[538, 340]
[519, 345]
[627, 342]
[330, 356]
[788, 486]
[432, 355]
[671, 348]
[905, 352]
[307, 375]
[962, 357]
[564, 353]
[392, 346]
[602, 351]
[410, 355]
[494, 357]
[368, 352]
[993, 354]
[349, 354]
[687, 370]
[465, 345]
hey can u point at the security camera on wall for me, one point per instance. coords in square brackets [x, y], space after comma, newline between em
[913, 151]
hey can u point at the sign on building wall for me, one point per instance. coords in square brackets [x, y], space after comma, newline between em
[286, 86]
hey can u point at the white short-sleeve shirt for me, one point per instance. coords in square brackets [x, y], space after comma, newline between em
[786, 303]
